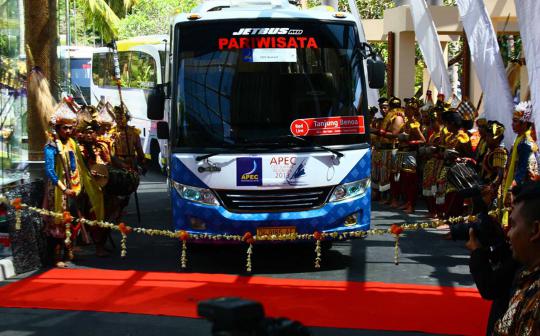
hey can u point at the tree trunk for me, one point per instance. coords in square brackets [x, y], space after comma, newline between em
[41, 38]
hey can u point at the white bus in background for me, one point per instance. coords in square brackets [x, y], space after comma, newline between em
[76, 61]
[142, 66]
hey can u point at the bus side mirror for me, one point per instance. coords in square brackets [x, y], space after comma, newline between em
[156, 102]
[162, 130]
[376, 71]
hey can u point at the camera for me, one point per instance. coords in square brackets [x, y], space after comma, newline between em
[487, 230]
[239, 317]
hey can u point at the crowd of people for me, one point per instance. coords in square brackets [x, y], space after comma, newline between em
[93, 160]
[433, 150]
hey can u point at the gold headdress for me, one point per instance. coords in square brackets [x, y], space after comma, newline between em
[495, 129]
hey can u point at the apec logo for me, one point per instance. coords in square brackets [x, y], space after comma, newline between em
[249, 171]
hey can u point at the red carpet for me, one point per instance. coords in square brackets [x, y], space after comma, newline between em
[338, 304]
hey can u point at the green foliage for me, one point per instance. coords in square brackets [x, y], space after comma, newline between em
[369, 9]
[150, 17]
[4, 45]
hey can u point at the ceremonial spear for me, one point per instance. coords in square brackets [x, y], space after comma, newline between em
[119, 86]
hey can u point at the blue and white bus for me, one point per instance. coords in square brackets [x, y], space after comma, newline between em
[267, 121]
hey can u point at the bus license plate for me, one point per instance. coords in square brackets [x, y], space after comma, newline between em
[277, 230]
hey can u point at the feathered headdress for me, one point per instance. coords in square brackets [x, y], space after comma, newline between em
[523, 111]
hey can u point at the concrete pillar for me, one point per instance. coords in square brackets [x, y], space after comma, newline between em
[404, 74]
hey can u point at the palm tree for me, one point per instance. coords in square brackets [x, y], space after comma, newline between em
[41, 41]
[104, 15]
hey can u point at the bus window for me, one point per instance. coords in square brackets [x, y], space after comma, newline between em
[102, 69]
[142, 70]
[137, 69]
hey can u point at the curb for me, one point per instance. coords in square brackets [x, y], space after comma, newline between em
[6, 268]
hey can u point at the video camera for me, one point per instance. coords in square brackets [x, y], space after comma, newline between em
[239, 317]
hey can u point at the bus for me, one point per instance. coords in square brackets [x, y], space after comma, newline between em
[76, 61]
[141, 68]
[267, 120]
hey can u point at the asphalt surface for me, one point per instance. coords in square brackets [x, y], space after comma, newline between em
[425, 258]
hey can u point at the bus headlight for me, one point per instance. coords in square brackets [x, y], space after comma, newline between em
[349, 190]
[200, 195]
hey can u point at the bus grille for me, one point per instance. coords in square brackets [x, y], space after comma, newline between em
[273, 200]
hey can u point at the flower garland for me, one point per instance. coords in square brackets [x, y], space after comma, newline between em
[124, 230]
[184, 236]
[318, 237]
[17, 205]
[248, 238]
[396, 230]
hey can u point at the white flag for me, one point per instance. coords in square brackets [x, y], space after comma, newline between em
[528, 12]
[430, 45]
[487, 60]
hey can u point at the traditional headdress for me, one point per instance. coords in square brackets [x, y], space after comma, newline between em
[466, 110]
[63, 114]
[395, 102]
[481, 122]
[412, 103]
[452, 116]
[383, 100]
[495, 129]
[121, 112]
[88, 125]
[105, 115]
[523, 111]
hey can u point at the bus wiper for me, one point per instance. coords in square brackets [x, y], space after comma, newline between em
[299, 139]
[275, 144]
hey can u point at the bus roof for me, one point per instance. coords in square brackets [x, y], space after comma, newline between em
[252, 9]
[74, 51]
[127, 44]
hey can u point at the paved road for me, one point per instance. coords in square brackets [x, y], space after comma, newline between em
[425, 259]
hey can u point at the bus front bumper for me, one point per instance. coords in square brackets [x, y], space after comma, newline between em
[333, 219]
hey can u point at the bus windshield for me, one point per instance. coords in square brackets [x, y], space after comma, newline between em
[243, 81]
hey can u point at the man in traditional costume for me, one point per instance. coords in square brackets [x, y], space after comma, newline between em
[433, 163]
[127, 148]
[523, 166]
[388, 132]
[409, 142]
[455, 144]
[63, 181]
[494, 161]
[376, 156]
[481, 147]
[96, 158]
[128, 157]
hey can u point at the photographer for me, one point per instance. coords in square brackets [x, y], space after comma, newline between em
[491, 263]
[523, 314]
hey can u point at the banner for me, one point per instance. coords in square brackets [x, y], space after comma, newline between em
[430, 45]
[528, 12]
[487, 60]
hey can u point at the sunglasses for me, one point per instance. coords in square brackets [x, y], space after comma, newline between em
[65, 127]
